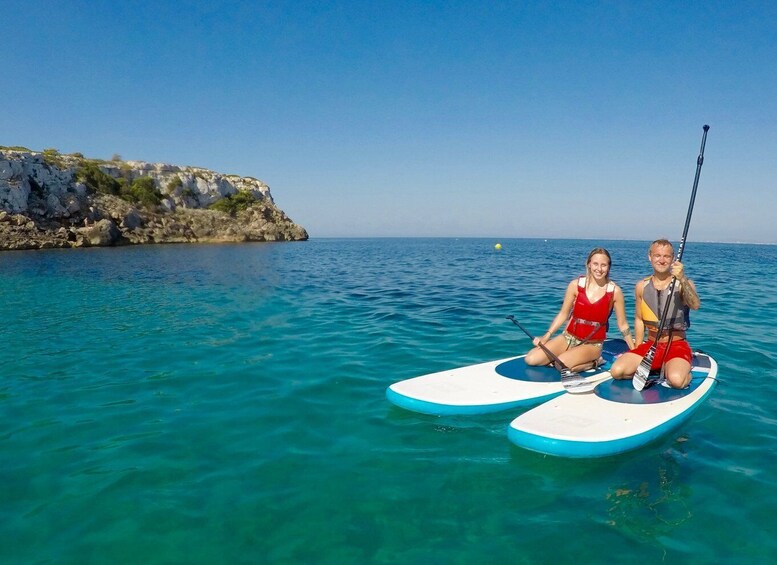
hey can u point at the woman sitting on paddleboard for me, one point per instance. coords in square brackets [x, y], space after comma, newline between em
[590, 300]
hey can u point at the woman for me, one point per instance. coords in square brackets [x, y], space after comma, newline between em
[590, 300]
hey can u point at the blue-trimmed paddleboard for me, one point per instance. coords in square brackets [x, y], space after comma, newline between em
[489, 387]
[613, 418]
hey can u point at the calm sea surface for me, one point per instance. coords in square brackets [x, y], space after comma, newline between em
[226, 404]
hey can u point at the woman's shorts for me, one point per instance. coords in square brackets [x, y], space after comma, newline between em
[574, 341]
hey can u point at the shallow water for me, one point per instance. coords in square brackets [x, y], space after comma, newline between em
[202, 404]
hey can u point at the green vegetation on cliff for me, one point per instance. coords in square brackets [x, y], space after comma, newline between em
[96, 180]
[234, 203]
[14, 148]
[142, 191]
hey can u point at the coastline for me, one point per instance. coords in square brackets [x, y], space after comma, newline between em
[50, 200]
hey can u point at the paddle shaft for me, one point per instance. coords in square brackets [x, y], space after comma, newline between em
[699, 161]
[552, 356]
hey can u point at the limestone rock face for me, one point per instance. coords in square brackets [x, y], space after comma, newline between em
[50, 200]
[103, 233]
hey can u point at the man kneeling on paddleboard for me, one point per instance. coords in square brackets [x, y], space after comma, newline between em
[668, 352]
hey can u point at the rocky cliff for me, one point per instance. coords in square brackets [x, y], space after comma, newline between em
[49, 199]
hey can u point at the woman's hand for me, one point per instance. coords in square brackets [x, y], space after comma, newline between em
[542, 339]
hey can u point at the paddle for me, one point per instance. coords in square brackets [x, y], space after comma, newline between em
[569, 378]
[642, 375]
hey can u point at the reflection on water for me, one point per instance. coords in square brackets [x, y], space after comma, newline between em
[655, 506]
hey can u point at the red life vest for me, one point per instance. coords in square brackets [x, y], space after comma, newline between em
[586, 315]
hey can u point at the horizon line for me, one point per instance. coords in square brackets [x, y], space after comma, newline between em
[498, 239]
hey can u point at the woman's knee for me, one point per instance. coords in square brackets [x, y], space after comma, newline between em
[536, 357]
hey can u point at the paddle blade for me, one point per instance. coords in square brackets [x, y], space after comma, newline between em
[570, 379]
[589, 383]
[642, 375]
[582, 387]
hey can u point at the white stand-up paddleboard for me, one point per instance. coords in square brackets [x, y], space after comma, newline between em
[489, 387]
[614, 417]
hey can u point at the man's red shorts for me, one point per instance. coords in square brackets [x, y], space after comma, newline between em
[679, 348]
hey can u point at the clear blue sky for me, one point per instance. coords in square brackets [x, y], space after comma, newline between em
[496, 119]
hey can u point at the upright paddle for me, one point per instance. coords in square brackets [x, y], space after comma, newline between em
[642, 375]
[570, 379]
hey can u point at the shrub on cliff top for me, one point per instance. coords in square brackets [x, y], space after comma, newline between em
[53, 158]
[234, 203]
[14, 148]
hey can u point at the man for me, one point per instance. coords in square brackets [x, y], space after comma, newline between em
[673, 354]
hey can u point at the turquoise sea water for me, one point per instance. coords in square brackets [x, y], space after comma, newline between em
[226, 404]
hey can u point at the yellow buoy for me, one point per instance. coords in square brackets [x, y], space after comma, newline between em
[498, 246]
